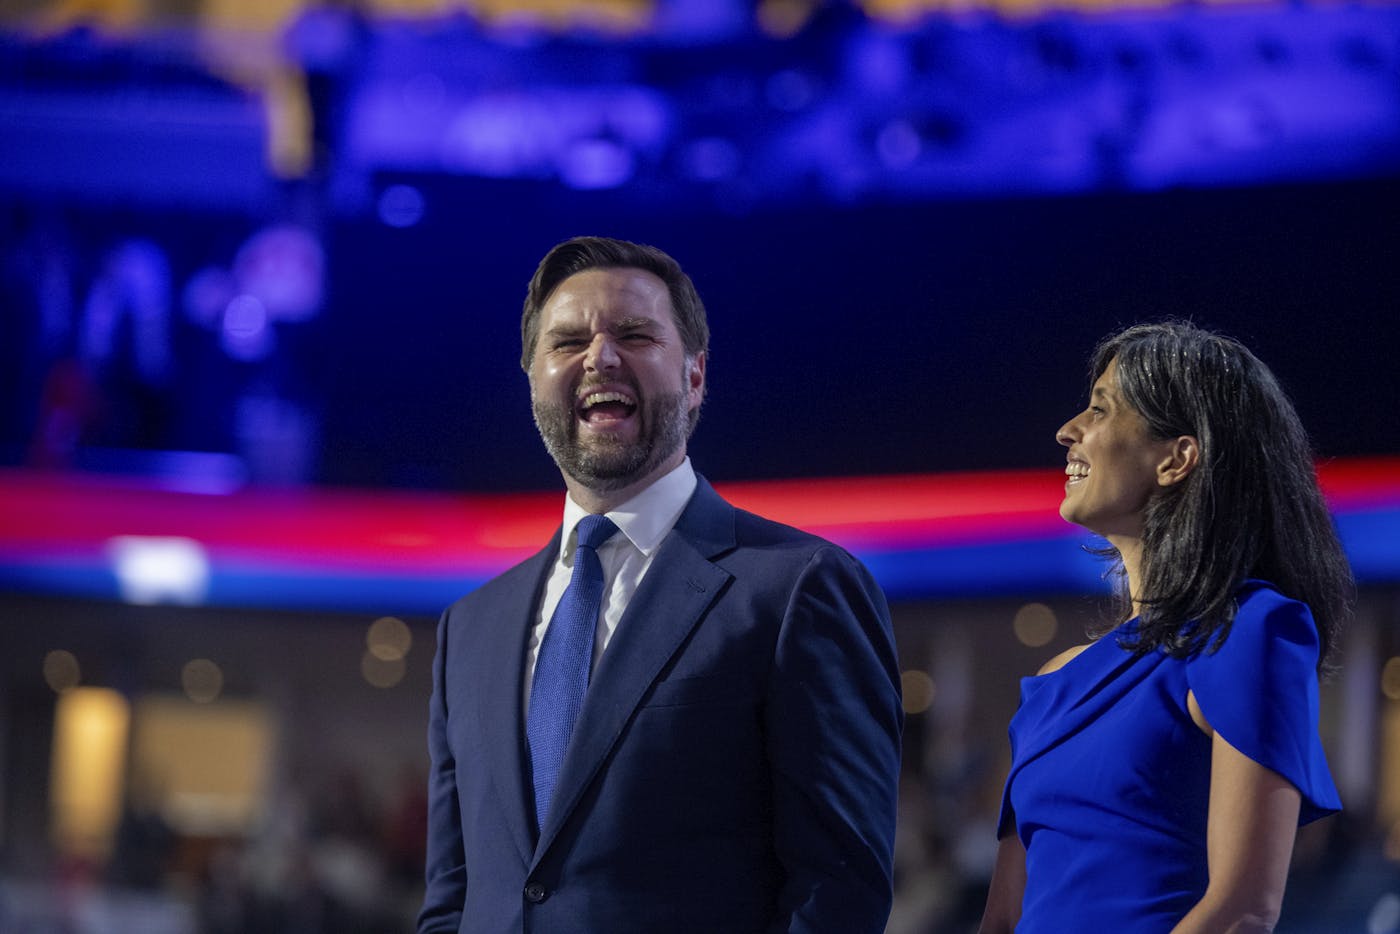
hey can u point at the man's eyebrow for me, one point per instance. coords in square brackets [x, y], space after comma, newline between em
[635, 323]
[578, 328]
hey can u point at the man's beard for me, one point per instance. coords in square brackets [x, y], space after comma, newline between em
[606, 464]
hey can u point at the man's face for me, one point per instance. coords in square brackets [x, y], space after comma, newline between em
[610, 383]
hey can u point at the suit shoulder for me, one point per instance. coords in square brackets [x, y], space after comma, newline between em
[508, 582]
[753, 531]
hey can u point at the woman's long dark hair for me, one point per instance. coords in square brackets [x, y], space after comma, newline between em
[1251, 508]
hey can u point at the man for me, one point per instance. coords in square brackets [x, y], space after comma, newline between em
[732, 764]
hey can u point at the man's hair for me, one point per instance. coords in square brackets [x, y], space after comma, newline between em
[1250, 509]
[581, 253]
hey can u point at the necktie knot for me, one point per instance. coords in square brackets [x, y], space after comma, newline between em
[594, 530]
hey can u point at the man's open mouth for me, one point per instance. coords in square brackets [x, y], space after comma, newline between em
[606, 406]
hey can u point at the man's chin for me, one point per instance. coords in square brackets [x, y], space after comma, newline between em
[610, 470]
[604, 468]
[611, 440]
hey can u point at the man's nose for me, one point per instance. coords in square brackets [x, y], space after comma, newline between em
[602, 353]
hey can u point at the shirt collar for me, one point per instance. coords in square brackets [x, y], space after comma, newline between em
[645, 518]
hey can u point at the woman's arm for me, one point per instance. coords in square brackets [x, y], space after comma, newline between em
[1008, 885]
[1249, 843]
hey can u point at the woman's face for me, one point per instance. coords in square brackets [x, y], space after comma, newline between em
[1113, 462]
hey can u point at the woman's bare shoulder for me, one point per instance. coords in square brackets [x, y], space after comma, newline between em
[1059, 661]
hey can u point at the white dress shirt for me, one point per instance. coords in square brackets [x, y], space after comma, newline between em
[643, 522]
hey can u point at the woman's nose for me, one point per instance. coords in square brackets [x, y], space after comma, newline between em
[1068, 433]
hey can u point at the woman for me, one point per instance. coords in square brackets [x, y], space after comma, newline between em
[1159, 774]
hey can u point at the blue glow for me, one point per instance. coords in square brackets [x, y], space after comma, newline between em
[1372, 543]
[1057, 565]
[595, 163]
[401, 206]
[246, 332]
[710, 159]
[1145, 99]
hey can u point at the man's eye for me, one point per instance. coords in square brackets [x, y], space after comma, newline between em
[567, 343]
[1097, 410]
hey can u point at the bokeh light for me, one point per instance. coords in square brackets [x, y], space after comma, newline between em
[154, 569]
[61, 670]
[1384, 917]
[389, 639]
[202, 680]
[1035, 625]
[918, 690]
[401, 206]
[898, 144]
[247, 331]
[382, 672]
[1390, 679]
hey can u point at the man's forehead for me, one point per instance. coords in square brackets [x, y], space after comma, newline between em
[617, 291]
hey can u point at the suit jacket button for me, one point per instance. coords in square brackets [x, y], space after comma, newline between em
[535, 893]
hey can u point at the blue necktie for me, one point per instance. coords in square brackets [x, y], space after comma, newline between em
[564, 662]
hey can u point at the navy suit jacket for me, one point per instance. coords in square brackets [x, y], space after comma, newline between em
[734, 767]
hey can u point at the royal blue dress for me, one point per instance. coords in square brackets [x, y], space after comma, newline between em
[1110, 777]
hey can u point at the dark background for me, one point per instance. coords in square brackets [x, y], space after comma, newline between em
[867, 339]
[881, 339]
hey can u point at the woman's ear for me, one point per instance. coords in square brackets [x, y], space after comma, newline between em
[1182, 456]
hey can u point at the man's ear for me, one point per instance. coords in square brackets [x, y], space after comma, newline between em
[1182, 456]
[696, 375]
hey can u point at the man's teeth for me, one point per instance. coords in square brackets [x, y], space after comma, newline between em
[1077, 471]
[596, 398]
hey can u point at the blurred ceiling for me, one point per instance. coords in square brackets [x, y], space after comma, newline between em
[297, 242]
[206, 110]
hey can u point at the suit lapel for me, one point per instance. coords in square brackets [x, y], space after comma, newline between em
[680, 585]
[507, 622]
